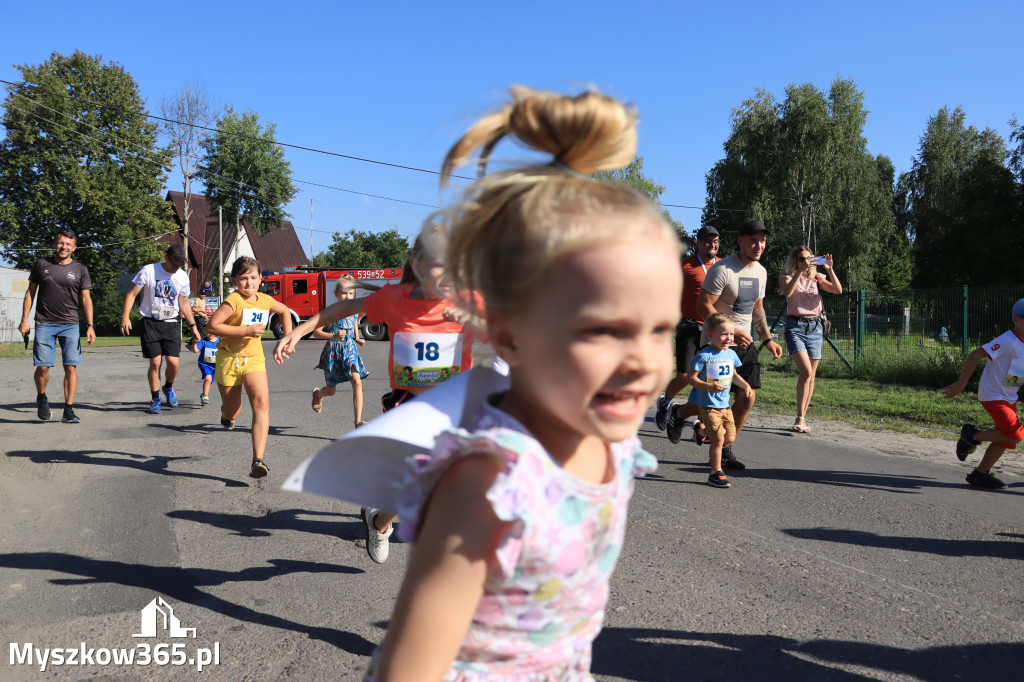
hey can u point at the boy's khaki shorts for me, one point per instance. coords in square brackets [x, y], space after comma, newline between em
[718, 423]
[231, 368]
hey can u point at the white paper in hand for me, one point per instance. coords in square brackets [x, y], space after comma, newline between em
[365, 465]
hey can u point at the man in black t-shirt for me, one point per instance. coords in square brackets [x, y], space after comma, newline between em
[60, 282]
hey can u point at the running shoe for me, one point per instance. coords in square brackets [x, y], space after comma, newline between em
[967, 443]
[698, 433]
[204, 399]
[227, 423]
[172, 400]
[70, 417]
[729, 460]
[259, 469]
[674, 426]
[717, 479]
[43, 408]
[377, 545]
[661, 412]
[154, 407]
[985, 479]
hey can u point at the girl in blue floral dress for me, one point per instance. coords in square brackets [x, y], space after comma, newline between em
[340, 360]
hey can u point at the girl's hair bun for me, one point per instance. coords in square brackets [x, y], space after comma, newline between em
[586, 133]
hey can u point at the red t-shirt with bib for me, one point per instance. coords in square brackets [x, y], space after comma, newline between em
[425, 348]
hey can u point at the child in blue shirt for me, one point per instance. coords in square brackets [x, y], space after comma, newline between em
[712, 372]
[207, 349]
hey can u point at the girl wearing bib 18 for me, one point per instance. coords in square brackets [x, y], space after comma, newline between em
[429, 341]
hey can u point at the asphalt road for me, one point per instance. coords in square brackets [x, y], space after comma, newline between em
[819, 563]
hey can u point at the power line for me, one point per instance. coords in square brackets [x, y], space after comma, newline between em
[282, 144]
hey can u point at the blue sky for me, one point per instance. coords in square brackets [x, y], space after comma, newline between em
[398, 82]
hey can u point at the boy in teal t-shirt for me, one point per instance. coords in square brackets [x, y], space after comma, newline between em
[712, 373]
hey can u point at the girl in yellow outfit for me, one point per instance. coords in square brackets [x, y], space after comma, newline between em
[240, 322]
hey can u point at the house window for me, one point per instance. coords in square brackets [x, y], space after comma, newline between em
[298, 286]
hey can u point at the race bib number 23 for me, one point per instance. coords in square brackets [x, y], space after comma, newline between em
[422, 360]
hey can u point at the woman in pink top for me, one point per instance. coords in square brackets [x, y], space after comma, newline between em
[802, 286]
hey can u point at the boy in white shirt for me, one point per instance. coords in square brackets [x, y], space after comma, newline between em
[997, 391]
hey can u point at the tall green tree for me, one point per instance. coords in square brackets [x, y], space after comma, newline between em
[634, 176]
[358, 249]
[802, 167]
[80, 154]
[245, 172]
[961, 206]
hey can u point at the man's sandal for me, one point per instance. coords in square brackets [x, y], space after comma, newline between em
[360, 423]
[259, 469]
[318, 401]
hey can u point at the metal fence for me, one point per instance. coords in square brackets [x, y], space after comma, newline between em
[890, 323]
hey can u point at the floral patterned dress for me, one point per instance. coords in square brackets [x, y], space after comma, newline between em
[544, 604]
[339, 356]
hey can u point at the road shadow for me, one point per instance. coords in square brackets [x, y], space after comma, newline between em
[995, 549]
[895, 483]
[650, 655]
[339, 525]
[152, 464]
[184, 585]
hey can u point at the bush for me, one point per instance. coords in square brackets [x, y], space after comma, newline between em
[108, 306]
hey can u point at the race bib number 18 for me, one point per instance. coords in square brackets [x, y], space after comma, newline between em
[422, 360]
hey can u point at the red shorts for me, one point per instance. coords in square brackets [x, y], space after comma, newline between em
[1004, 414]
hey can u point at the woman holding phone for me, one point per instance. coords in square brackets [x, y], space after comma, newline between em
[802, 285]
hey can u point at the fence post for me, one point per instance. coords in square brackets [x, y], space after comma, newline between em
[963, 342]
[858, 339]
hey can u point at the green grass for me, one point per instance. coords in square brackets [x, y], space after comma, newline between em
[868, 405]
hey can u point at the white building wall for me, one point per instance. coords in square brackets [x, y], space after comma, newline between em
[13, 285]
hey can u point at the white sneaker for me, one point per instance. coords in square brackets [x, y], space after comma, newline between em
[376, 543]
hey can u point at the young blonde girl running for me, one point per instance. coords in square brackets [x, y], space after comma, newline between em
[340, 359]
[431, 339]
[518, 520]
[240, 322]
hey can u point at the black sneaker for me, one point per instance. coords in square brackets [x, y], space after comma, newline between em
[717, 479]
[43, 408]
[729, 460]
[661, 413]
[70, 417]
[967, 442]
[985, 479]
[675, 426]
[699, 437]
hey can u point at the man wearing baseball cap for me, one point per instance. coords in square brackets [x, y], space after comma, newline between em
[165, 290]
[667, 415]
[736, 286]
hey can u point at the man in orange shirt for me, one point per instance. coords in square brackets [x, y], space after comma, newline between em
[667, 415]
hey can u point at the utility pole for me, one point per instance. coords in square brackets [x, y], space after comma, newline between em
[220, 253]
[310, 230]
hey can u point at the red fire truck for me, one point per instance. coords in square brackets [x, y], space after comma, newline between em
[308, 290]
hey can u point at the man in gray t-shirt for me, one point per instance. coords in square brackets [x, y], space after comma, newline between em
[735, 286]
[60, 282]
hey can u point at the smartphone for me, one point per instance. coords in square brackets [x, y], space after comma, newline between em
[817, 260]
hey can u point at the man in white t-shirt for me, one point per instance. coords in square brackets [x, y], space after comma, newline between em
[165, 289]
[998, 389]
[735, 286]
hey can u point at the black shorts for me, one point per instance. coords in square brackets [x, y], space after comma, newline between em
[396, 397]
[750, 370]
[687, 344]
[160, 338]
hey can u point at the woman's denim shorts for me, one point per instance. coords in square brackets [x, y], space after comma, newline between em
[804, 335]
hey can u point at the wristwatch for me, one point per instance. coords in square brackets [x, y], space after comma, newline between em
[89, 325]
